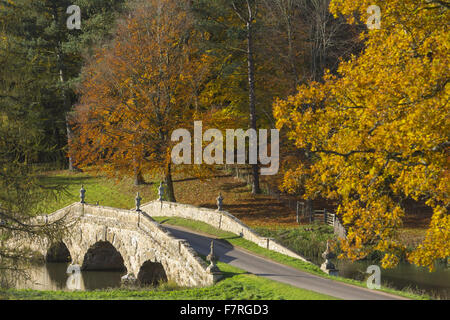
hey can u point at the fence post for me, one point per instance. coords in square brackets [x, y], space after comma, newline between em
[325, 216]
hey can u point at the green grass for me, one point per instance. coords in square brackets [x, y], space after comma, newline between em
[239, 242]
[278, 257]
[309, 241]
[236, 285]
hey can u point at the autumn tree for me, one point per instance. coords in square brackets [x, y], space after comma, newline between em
[230, 26]
[378, 132]
[136, 92]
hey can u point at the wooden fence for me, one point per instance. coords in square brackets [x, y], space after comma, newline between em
[304, 209]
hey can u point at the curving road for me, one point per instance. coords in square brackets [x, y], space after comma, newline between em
[269, 269]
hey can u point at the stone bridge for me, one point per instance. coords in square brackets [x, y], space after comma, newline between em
[103, 238]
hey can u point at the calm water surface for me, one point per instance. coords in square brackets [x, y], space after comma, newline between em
[54, 276]
[404, 276]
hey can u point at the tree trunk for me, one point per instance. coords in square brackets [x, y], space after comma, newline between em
[66, 102]
[252, 100]
[169, 183]
[72, 167]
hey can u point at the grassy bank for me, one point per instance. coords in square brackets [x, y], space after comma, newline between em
[278, 257]
[309, 241]
[259, 210]
[104, 190]
[236, 285]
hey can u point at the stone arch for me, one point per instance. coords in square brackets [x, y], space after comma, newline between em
[58, 252]
[102, 255]
[152, 273]
[136, 237]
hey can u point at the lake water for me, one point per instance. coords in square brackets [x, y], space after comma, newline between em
[54, 276]
[404, 276]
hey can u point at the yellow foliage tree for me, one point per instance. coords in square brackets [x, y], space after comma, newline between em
[379, 131]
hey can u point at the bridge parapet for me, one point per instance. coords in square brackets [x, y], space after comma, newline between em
[221, 220]
[135, 235]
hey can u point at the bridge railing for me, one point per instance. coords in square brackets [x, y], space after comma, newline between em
[221, 220]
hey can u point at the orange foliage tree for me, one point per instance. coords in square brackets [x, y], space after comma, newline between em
[138, 90]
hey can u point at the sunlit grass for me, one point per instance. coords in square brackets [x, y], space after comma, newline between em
[236, 285]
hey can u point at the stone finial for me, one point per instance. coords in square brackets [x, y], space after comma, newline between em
[328, 266]
[82, 194]
[212, 268]
[219, 202]
[138, 202]
[161, 191]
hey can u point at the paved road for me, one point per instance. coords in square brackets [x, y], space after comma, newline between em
[269, 269]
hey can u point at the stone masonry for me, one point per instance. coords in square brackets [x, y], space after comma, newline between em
[217, 218]
[135, 235]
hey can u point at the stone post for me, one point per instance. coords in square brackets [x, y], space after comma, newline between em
[212, 268]
[161, 191]
[82, 194]
[219, 202]
[328, 267]
[138, 202]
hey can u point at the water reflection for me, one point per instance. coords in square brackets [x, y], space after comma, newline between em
[404, 276]
[54, 276]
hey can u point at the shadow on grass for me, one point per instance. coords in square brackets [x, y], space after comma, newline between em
[195, 178]
[229, 274]
[231, 186]
[165, 220]
[229, 238]
[66, 180]
[226, 274]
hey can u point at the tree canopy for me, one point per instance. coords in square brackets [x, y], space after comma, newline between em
[379, 130]
[135, 93]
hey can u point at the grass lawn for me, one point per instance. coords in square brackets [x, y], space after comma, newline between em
[278, 257]
[259, 210]
[107, 191]
[236, 285]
